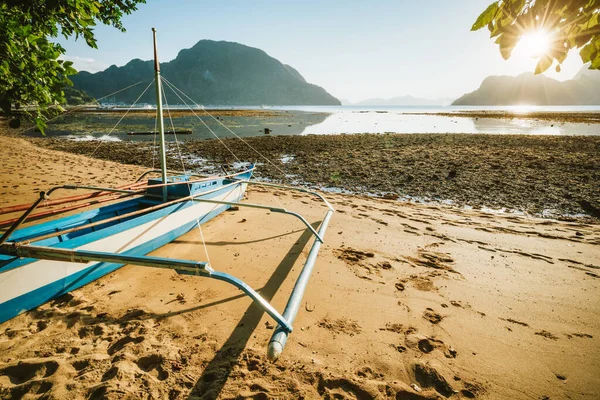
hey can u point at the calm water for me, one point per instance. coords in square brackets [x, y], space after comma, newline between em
[401, 119]
[304, 120]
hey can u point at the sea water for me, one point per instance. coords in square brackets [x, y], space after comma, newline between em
[325, 120]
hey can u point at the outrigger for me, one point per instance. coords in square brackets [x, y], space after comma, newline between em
[45, 260]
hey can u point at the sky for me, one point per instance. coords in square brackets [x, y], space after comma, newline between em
[354, 49]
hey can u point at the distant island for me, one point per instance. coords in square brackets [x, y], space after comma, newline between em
[211, 73]
[583, 89]
[402, 101]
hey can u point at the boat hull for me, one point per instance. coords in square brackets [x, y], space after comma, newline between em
[28, 283]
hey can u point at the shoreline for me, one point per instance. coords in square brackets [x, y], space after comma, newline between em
[591, 117]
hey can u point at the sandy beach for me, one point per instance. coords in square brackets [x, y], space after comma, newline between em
[407, 301]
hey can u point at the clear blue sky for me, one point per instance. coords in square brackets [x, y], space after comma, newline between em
[354, 49]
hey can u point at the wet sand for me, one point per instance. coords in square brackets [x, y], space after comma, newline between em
[407, 301]
[559, 117]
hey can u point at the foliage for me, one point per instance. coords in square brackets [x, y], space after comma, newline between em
[570, 23]
[76, 97]
[31, 73]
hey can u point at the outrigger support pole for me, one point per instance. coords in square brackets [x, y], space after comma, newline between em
[284, 321]
[196, 268]
[272, 209]
[280, 336]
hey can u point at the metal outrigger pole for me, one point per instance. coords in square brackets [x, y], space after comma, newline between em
[26, 249]
[280, 336]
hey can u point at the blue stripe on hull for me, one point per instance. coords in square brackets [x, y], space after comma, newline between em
[116, 227]
[35, 298]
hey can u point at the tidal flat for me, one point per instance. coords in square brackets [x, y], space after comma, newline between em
[557, 176]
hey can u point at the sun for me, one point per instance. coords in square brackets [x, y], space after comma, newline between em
[535, 44]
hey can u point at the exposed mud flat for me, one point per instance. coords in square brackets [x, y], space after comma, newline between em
[560, 117]
[546, 175]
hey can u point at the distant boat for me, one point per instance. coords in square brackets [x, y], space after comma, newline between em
[176, 132]
[45, 260]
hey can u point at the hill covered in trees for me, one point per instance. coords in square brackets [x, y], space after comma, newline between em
[530, 89]
[211, 73]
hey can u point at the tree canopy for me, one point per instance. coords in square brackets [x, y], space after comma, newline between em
[31, 72]
[570, 24]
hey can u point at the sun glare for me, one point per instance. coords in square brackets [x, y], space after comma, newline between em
[535, 44]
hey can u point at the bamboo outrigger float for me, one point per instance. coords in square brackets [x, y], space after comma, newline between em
[48, 259]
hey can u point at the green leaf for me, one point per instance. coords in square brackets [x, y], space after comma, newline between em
[30, 73]
[583, 38]
[544, 63]
[596, 61]
[586, 52]
[41, 124]
[507, 43]
[574, 24]
[589, 24]
[486, 17]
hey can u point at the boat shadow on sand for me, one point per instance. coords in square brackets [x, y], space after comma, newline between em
[218, 370]
[84, 320]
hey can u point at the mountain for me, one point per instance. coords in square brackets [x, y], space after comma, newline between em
[583, 89]
[77, 97]
[403, 101]
[211, 73]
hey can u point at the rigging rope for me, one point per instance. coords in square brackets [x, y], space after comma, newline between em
[204, 123]
[164, 95]
[171, 86]
[85, 105]
[124, 115]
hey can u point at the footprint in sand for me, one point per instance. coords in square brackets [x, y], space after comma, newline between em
[27, 377]
[25, 371]
[432, 259]
[547, 335]
[356, 261]
[154, 365]
[80, 365]
[432, 316]
[368, 373]
[514, 321]
[122, 342]
[429, 344]
[342, 325]
[580, 335]
[428, 376]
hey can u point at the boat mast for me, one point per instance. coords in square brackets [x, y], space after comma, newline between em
[159, 115]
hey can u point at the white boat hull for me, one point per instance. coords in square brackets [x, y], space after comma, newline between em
[27, 286]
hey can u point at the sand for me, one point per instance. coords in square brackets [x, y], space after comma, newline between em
[407, 301]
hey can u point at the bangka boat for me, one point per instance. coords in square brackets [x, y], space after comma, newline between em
[44, 260]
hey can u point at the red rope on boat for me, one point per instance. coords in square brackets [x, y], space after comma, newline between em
[62, 200]
[42, 214]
